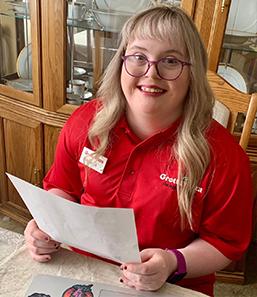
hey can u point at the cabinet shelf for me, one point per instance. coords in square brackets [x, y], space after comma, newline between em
[15, 15]
[84, 24]
[245, 47]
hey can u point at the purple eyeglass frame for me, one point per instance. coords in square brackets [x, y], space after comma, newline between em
[150, 63]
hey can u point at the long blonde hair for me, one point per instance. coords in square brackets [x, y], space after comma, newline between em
[191, 148]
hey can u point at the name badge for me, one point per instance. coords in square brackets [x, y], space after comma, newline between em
[87, 158]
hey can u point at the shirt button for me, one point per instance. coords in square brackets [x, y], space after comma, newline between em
[132, 172]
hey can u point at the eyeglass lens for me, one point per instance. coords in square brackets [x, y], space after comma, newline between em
[168, 68]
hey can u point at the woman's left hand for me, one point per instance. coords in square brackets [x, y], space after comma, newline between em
[152, 273]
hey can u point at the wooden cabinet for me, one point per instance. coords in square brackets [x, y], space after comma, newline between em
[25, 53]
[51, 135]
[28, 128]
[30, 122]
[22, 152]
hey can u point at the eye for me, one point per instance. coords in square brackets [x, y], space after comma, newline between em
[137, 59]
[170, 62]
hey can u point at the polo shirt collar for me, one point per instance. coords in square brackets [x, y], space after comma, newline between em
[167, 133]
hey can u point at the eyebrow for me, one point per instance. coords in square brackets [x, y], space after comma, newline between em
[170, 51]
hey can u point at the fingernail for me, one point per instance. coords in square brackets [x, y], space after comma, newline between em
[46, 238]
[121, 280]
[48, 258]
[125, 267]
[121, 267]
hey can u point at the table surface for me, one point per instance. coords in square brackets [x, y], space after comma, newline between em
[17, 269]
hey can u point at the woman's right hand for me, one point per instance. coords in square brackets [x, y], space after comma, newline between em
[39, 244]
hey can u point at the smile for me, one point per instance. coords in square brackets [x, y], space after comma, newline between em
[151, 90]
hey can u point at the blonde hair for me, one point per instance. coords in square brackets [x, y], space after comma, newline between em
[191, 149]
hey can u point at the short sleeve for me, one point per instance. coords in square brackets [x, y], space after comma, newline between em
[226, 221]
[65, 171]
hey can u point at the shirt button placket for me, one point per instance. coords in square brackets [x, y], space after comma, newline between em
[132, 172]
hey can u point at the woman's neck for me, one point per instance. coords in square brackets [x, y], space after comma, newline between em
[145, 126]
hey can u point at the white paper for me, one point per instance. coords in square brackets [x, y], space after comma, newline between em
[106, 232]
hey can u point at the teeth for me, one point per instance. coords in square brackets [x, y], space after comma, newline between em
[151, 90]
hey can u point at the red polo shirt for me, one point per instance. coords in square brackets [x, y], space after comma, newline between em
[141, 175]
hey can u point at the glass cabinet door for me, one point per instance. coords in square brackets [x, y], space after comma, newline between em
[79, 37]
[238, 56]
[238, 59]
[93, 28]
[19, 77]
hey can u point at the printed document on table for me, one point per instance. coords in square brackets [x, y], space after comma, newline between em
[106, 232]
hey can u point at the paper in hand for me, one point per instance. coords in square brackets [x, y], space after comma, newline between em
[106, 232]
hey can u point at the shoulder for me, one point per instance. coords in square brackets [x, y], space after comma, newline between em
[83, 115]
[75, 131]
[224, 147]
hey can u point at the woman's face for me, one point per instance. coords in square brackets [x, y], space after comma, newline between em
[150, 95]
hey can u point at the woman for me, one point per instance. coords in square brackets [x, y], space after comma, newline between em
[181, 172]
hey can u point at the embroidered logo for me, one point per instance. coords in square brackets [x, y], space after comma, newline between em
[173, 181]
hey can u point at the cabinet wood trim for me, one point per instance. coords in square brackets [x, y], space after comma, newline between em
[218, 27]
[54, 38]
[3, 183]
[189, 7]
[67, 109]
[14, 93]
[8, 105]
[36, 51]
[203, 18]
[20, 215]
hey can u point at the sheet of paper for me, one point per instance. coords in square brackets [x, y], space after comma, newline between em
[106, 232]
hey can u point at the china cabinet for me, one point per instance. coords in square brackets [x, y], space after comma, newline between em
[52, 55]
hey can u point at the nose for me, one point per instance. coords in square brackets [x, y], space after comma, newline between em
[152, 71]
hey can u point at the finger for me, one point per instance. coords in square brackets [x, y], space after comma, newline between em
[148, 265]
[43, 251]
[127, 282]
[147, 254]
[140, 278]
[131, 284]
[146, 268]
[42, 244]
[40, 235]
[40, 258]
[33, 230]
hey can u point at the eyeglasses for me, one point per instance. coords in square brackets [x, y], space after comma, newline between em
[168, 68]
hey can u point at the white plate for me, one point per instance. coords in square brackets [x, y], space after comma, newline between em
[232, 76]
[88, 96]
[111, 20]
[79, 71]
[24, 63]
[123, 5]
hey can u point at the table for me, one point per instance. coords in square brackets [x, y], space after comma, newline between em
[17, 269]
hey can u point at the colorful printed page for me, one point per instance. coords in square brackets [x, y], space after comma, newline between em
[106, 232]
[52, 286]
